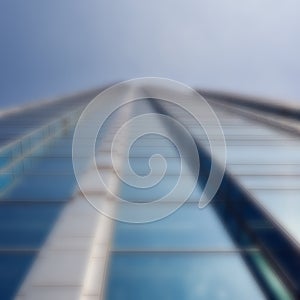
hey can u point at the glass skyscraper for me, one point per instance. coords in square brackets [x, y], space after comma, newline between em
[244, 245]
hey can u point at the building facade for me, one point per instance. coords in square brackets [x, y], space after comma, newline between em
[244, 245]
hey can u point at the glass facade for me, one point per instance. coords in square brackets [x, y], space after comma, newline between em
[36, 181]
[244, 245]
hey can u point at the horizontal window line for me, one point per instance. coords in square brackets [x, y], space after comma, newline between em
[18, 250]
[196, 251]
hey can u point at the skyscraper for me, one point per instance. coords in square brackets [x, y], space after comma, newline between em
[54, 244]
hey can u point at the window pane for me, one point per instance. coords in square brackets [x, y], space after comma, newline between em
[187, 228]
[180, 276]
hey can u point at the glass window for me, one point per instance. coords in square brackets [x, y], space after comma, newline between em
[42, 188]
[26, 225]
[13, 268]
[284, 206]
[180, 276]
[187, 228]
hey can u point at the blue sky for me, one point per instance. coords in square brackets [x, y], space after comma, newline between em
[53, 47]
